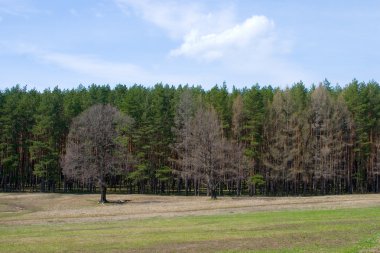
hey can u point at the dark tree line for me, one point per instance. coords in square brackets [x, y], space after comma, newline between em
[185, 140]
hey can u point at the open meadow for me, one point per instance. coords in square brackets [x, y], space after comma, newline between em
[147, 223]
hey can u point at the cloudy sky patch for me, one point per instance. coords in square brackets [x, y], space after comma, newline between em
[47, 43]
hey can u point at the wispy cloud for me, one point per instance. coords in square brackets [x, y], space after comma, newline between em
[15, 8]
[21, 8]
[89, 65]
[93, 66]
[94, 69]
[99, 70]
[178, 18]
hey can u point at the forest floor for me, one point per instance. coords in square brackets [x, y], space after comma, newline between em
[37, 222]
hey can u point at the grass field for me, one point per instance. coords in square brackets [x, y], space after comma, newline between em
[76, 223]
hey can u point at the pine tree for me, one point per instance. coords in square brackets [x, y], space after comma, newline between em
[49, 134]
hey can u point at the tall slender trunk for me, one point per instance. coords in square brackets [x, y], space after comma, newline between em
[238, 188]
[186, 186]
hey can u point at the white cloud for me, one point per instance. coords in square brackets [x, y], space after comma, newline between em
[253, 32]
[178, 18]
[217, 44]
[250, 49]
[205, 35]
[209, 35]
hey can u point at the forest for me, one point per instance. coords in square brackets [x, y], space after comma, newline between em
[186, 140]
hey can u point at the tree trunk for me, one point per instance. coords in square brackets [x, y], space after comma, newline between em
[213, 193]
[238, 187]
[103, 191]
[196, 187]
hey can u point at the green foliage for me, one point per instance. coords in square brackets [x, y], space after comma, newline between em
[257, 180]
[140, 174]
[254, 111]
[363, 100]
[16, 121]
[49, 131]
[220, 99]
[164, 174]
[34, 127]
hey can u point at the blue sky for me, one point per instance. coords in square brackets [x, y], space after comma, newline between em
[46, 43]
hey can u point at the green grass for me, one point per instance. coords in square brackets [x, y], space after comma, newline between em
[343, 230]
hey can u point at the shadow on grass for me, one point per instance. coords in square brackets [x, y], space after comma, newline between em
[116, 202]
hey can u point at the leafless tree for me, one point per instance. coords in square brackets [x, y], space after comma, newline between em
[240, 161]
[184, 115]
[330, 139]
[235, 164]
[95, 148]
[206, 140]
[376, 167]
[281, 142]
[205, 154]
[237, 117]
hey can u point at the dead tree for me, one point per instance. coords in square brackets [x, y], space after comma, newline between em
[95, 149]
[182, 145]
[206, 141]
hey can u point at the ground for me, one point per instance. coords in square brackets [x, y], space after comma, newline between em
[148, 223]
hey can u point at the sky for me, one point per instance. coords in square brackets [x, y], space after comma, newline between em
[65, 43]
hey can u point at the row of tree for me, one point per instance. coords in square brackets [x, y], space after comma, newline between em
[256, 140]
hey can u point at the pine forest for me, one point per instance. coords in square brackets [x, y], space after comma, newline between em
[185, 140]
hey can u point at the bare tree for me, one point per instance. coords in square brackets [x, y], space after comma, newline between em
[240, 162]
[206, 140]
[94, 148]
[376, 167]
[281, 142]
[184, 115]
[330, 141]
[235, 164]
[237, 117]
[343, 155]
[202, 151]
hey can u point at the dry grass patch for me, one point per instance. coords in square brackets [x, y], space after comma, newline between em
[38, 208]
[146, 223]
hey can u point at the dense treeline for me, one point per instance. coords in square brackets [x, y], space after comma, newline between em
[258, 140]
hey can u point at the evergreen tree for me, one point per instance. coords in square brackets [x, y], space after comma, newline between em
[49, 134]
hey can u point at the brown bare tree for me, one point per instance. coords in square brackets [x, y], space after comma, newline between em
[184, 114]
[330, 141]
[281, 142]
[95, 149]
[237, 117]
[207, 154]
[240, 163]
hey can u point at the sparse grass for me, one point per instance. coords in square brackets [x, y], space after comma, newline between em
[354, 229]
